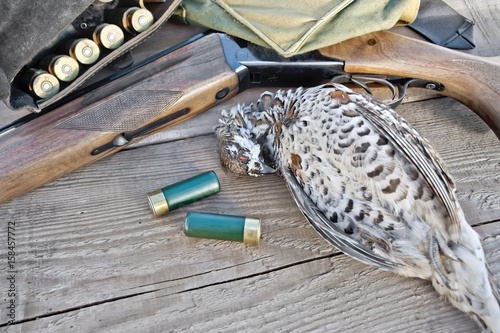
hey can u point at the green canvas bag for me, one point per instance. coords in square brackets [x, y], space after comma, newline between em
[293, 27]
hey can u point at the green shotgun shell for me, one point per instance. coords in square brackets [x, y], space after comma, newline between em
[224, 227]
[183, 193]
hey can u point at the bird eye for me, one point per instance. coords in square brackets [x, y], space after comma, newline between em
[244, 156]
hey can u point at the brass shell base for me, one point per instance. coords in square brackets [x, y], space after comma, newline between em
[251, 231]
[158, 203]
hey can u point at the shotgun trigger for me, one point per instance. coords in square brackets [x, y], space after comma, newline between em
[363, 82]
[402, 85]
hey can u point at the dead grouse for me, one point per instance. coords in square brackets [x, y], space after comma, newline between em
[368, 183]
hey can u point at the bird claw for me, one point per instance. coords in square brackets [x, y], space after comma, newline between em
[444, 249]
[375, 236]
[434, 250]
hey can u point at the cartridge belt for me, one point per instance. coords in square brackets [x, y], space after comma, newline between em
[22, 96]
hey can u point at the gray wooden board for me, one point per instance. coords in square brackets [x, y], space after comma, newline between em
[332, 293]
[90, 256]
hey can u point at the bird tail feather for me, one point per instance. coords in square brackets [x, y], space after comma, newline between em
[461, 275]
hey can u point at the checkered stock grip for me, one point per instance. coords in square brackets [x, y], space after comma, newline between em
[162, 93]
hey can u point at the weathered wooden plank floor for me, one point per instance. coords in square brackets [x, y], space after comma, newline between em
[90, 256]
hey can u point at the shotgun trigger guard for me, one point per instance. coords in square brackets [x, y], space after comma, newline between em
[401, 84]
[362, 81]
[404, 84]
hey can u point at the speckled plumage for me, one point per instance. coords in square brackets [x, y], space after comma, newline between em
[368, 183]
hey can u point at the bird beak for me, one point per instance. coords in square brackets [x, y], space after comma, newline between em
[267, 169]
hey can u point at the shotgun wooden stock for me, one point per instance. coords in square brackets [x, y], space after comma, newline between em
[169, 90]
[192, 79]
[472, 80]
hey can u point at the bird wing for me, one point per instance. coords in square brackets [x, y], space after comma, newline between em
[329, 231]
[417, 150]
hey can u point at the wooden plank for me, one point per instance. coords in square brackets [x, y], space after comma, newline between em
[487, 24]
[102, 240]
[89, 241]
[469, 148]
[333, 293]
[90, 255]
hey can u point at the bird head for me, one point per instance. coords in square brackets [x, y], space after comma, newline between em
[239, 150]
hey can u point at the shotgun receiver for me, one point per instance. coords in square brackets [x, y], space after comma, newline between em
[181, 82]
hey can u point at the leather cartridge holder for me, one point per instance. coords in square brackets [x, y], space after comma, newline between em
[33, 34]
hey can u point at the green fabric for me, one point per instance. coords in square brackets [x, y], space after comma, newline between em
[290, 26]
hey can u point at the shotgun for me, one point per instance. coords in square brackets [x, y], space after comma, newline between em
[185, 80]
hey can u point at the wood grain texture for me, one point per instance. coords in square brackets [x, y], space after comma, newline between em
[487, 24]
[169, 35]
[99, 259]
[329, 294]
[90, 256]
[179, 85]
[469, 79]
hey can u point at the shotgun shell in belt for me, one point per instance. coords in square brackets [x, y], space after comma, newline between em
[109, 36]
[63, 67]
[41, 83]
[84, 50]
[224, 227]
[137, 20]
[183, 193]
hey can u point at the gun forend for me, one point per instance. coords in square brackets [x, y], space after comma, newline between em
[164, 92]
[472, 80]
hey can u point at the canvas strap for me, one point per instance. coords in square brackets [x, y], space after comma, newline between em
[442, 25]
